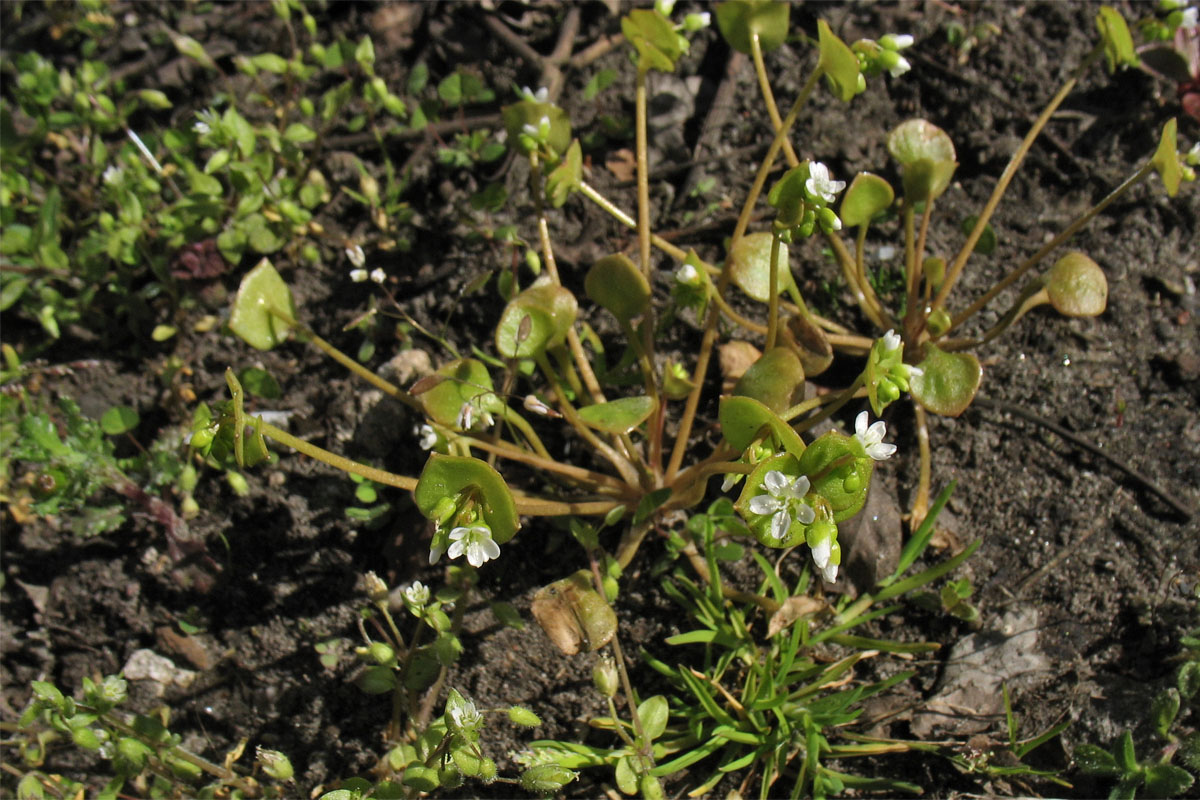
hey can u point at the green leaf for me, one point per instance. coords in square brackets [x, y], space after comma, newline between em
[1163, 711]
[270, 62]
[507, 615]
[654, 38]
[598, 83]
[744, 419]
[1076, 286]
[524, 717]
[1189, 750]
[843, 487]
[1125, 756]
[449, 476]
[154, 98]
[563, 179]
[654, 712]
[618, 416]
[187, 46]
[650, 503]
[948, 381]
[461, 381]
[299, 133]
[1166, 159]
[118, 420]
[364, 55]
[619, 286]
[740, 20]
[263, 311]
[1118, 43]
[839, 63]
[927, 158]
[550, 311]
[1188, 679]
[1166, 780]
[546, 779]
[986, 244]
[867, 196]
[450, 89]
[750, 266]
[776, 380]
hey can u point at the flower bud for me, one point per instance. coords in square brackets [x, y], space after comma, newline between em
[605, 677]
[275, 764]
[377, 590]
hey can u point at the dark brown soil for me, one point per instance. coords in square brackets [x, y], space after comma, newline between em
[1087, 572]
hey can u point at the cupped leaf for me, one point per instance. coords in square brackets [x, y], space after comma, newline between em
[760, 524]
[573, 614]
[739, 20]
[653, 713]
[750, 266]
[1118, 43]
[450, 476]
[838, 473]
[654, 38]
[776, 380]
[550, 311]
[927, 157]
[619, 286]
[948, 381]
[1166, 159]
[263, 311]
[462, 381]
[867, 196]
[744, 419]
[618, 416]
[1076, 286]
[839, 63]
[118, 420]
[529, 112]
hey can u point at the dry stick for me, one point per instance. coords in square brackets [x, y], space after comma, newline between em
[1146, 483]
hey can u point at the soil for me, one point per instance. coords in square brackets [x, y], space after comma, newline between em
[1084, 578]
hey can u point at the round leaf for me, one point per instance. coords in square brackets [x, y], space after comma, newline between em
[618, 416]
[739, 20]
[750, 266]
[810, 343]
[843, 487]
[653, 713]
[776, 380]
[619, 286]
[462, 381]
[263, 310]
[744, 419]
[1076, 286]
[919, 139]
[867, 196]
[948, 381]
[550, 311]
[118, 420]
[654, 38]
[448, 476]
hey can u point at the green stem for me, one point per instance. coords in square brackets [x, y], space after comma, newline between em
[764, 86]
[839, 400]
[1009, 173]
[1046, 249]
[773, 300]
[332, 459]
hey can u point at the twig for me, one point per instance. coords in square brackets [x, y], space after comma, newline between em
[1182, 508]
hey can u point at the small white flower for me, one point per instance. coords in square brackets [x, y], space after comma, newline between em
[428, 436]
[664, 7]
[201, 127]
[417, 594]
[914, 371]
[829, 572]
[465, 716]
[784, 497]
[819, 184]
[378, 275]
[535, 406]
[358, 275]
[435, 554]
[822, 552]
[886, 252]
[540, 96]
[467, 418]
[113, 174]
[476, 542]
[902, 66]
[896, 41]
[891, 340]
[732, 479]
[687, 274]
[1189, 19]
[356, 255]
[872, 438]
[695, 22]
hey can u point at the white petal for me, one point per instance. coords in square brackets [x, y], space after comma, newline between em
[891, 340]
[902, 40]
[875, 433]
[475, 555]
[762, 504]
[457, 548]
[358, 275]
[435, 554]
[805, 515]
[799, 488]
[776, 482]
[821, 553]
[459, 533]
[902, 66]
[781, 523]
[829, 572]
[881, 451]
[860, 424]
